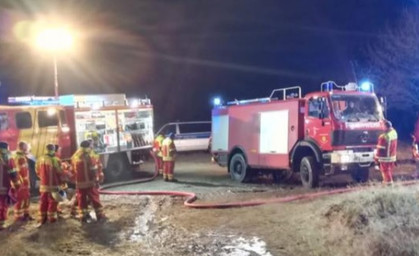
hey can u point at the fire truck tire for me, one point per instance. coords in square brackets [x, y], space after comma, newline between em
[309, 172]
[361, 175]
[118, 168]
[239, 171]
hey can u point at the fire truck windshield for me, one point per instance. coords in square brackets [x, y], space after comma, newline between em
[356, 108]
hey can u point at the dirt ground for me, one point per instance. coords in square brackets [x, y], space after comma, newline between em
[161, 225]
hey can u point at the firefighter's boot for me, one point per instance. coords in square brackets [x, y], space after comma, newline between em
[42, 221]
[86, 218]
[101, 217]
[27, 217]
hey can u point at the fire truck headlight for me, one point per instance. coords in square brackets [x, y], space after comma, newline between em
[366, 86]
[216, 101]
[51, 111]
[345, 159]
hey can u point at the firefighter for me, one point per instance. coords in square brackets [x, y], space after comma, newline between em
[350, 109]
[99, 180]
[386, 152]
[48, 169]
[87, 173]
[415, 157]
[157, 146]
[95, 137]
[21, 209]
[8, 179]
[168, 156]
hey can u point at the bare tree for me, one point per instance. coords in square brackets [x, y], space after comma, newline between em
[394, 63]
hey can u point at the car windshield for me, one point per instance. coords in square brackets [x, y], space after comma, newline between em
[356, 108]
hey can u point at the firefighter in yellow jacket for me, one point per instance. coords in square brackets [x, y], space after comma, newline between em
[21, 209]
[8, 179]
[87, 172]
[48, 169]
[157, 148]
[168, 156]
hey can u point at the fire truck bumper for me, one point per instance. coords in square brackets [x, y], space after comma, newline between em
[346, 160]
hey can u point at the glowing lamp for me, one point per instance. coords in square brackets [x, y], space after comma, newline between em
[51, 111]
[217, 101]
[366, 86]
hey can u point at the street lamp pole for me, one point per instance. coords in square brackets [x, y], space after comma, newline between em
[55, 40]
[55, 77]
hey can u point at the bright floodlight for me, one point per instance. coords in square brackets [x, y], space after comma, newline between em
[134, 104]
[217, 101]
[366, 86]
[55, 39]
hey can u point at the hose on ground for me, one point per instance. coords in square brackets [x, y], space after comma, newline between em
[191, 197]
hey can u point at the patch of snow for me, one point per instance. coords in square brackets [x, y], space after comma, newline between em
[246, 247]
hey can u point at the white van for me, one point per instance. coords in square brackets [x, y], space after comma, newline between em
[189, 136]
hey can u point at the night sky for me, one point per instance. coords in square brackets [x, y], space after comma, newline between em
[181, 53]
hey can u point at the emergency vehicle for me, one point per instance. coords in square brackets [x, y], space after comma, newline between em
[122, 131]
[334, 130]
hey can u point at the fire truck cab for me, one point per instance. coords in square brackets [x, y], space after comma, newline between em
[121, 131]
[331, 131]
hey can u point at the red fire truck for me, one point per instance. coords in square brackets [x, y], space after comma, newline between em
[122, 131]
[328, 132]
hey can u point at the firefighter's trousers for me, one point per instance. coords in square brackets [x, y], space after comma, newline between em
[91, 194]
[159, 163]
[3, 210]
[386, 169]
[47, 207]
[21, 208]
[168, 169]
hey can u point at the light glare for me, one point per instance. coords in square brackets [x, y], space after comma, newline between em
[55, 39]
[217, 101]
[366, 86]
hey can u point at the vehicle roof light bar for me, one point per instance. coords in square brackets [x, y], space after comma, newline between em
[331, 86]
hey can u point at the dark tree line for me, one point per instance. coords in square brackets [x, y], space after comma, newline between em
[393, 65]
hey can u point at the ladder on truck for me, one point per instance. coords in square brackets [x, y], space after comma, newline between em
[293, 92]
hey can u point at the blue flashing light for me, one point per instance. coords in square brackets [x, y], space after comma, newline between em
[366, 86]
[216, 101]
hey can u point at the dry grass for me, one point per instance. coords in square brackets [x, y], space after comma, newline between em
[380, 221]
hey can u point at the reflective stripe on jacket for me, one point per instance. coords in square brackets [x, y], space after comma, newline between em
[48, 169]
[387, 146]
[8, 174]
[157, 145]
[168, 150]
[22, 168]
[85, 168]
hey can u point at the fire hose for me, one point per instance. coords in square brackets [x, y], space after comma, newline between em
[191, 197]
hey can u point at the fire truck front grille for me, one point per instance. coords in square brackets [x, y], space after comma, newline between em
[354, 138]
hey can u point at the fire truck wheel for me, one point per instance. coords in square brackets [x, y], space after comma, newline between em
[309, 172]
[361, 174]
[117, 169]
[238, 168]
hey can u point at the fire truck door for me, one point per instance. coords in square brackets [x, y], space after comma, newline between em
[318, 122]
[46, 130]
